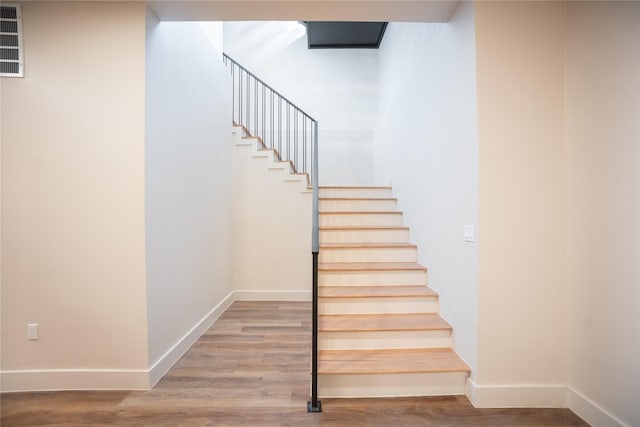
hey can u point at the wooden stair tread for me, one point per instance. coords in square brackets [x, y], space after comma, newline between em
[377, 199]
[382, 322]
[359, 212]
[367, 245]
[375, 291]
[396, 361]
[370, 266]
[354, 187]
[362, 227]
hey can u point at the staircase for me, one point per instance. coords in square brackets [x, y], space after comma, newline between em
[379, 329]
[379, 332]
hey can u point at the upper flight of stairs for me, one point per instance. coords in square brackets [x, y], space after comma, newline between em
[270, 157]
[379, 329]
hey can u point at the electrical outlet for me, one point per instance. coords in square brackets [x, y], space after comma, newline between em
[32, 331]
[469, 233]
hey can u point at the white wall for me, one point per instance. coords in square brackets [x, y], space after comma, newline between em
[520, 48]
[337, 87]
[73, 200]
[271, 230]
[603, 211]
[427, 145]
[188, 186]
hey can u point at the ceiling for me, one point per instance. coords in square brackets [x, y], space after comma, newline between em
[341, 35]
[305, 10]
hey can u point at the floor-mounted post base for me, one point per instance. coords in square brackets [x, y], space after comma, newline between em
[314, 408]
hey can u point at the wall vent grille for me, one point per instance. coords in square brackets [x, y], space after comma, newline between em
[11, 54]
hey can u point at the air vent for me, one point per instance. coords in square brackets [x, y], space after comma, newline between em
[11, 61]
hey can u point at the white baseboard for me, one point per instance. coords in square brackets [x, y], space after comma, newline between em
[74, 379]
[590, 411]
[109, 379]
[251, 295]
[167, 360]
[517, 396]
[142, 379]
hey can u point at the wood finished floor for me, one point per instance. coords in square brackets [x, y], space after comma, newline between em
[251, 368]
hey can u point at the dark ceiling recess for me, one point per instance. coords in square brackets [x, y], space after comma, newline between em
[344, 35]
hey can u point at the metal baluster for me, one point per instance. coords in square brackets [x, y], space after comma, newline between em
[248, 103]
[304, 144]
[295, 139]
[240, 97]
[233, 90]
[279, 120]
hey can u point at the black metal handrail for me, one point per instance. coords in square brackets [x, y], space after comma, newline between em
[267, 114]
[293, 135]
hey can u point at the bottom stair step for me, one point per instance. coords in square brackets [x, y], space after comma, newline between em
[383, 373]
[392, 385]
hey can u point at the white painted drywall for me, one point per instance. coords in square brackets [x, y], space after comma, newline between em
[426, 144]
[73, 200]
[603, 211]
[271, 230]
[337, 87]
[520, 48]
[187, 181]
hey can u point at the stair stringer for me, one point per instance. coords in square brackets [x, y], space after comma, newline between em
[270, 225]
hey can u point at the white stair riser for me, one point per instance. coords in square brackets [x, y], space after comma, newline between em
[375, 340]
[409, 254]
[301, 183]
[349, 205]
[365, 236]
[354, 192]
[258, 151]
[392, 385]
[364, 278]
[362, 219]
[269, 161]
[237, 133]
[378, 305]
[264, 153]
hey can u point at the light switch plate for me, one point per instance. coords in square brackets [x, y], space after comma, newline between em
[32, 331]
[469, 234]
